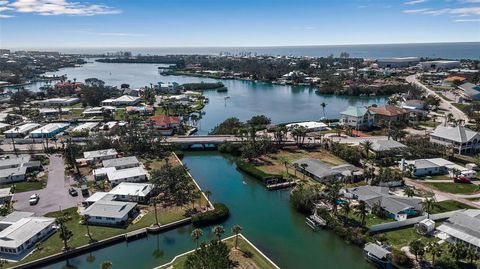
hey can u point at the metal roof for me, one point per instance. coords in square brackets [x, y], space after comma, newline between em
[109, 209]
[18, 233]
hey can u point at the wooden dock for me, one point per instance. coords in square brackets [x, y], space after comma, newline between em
[282, 185]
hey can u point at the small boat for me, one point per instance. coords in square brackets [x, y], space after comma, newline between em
[226, 97]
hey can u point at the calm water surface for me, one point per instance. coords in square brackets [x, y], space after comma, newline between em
[247, 98]
[266, 218]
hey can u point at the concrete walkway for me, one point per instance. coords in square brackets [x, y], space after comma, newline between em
[54, 196]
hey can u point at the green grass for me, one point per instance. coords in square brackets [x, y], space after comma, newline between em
[243, 246]
[462, 107]
[26, 185]
[403, 237]
[455, 187]
[438, 177]
[449, 205]
[371, 219]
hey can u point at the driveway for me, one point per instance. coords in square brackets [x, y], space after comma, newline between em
[54, 196]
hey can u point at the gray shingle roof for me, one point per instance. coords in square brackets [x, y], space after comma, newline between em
[384, 145]
[109, 209]
[464, 225]
[459, 133]
[120, 162]
[376, 250]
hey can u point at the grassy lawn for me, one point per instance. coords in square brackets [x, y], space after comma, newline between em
[273, 163]
[455, 187]
[256, 261]
[26, 185]
[438, 177]
[403, 237]
[449, 205]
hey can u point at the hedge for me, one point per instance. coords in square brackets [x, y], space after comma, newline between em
[219, 214]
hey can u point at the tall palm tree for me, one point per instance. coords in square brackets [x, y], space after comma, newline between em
[333, 194]
[85, 219]
[409, 192]
[196, 234]
[218, 231]
[435, 250]
[428, 205]
[106, 265]
[361, 211]
[346, 208]
[236, 229]
[323, 105]
[367, 146]
[153, 202]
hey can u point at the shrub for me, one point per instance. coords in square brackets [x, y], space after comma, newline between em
[219, 214]
[399, 258]
[248, 254]
[230, 148]
[251, 170]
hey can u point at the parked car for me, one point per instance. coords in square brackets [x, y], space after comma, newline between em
[34, 199]
[73, 192]
[85, 191]
[462, 179]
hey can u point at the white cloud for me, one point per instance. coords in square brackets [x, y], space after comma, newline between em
[467, 20]
[60, 7]
[461, 11]
[414, 2]
[413, 11]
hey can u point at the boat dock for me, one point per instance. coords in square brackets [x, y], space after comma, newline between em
[282, 185]
[315, 222]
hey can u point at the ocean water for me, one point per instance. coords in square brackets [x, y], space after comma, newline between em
[460, 50]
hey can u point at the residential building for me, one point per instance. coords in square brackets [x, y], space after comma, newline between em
[434, 166]
[169, 87]
[5, 195]
[450, 81]
[84, 127]
[135, 174]
[13, 217]
[382, 146]
[397, 62]
[99, 111]
[100, 155]
[110, 213]
[14, 161]
[101, 173]
[22, 235]
[58, 102]
[122, 163]
[388, 114]
[462, 139]
[311, 126]
[322, 172]
[166, 125]
[378, 255]
[50, 130]
[46, 112]
[124, 100]
[11, 175]
[462, 227]
[132, 192]
[358, 118]
[21, 131]
[397, 207]
[470, 91]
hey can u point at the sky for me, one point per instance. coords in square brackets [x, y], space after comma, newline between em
[185, 23]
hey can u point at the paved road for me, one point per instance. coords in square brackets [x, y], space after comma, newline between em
[442, 195]
[444, 104]
[54, 195]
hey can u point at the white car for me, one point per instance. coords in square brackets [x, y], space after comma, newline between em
[34, 199]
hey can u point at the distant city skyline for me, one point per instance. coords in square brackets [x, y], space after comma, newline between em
[226, 23]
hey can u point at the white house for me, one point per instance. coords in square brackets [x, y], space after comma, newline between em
[14, 161]
[55, 102]
[122, 163]
[462, 227]
[50, 130]
[462, 139]
[434, 166]
[20, 131]
[11, 175]
[132, 192]
[124, 100]
[135, 174]
[311, 126]
[22, 235]
[358, 118]
[85, 127]
[100, 155]
[112, 213]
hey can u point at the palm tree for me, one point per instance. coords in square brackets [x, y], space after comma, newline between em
[65, 233]
[361, 211]
[346, 208]
[409, 191]
[154, 204]
[333, 194]
[85, 219]
[218, 231]
[435, 250]
[236, 229]
[196, 234]
[428, 205]
[367, 146]
[106, 265]
[323, 105]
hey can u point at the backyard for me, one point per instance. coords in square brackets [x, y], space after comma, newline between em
[456, 188]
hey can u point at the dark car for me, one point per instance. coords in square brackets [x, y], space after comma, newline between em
[73, 192]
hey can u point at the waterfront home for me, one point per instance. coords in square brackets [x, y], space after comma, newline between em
[22, 235]
[397, 62]
[135, 174]
[143, 110]
[13, 217]
[110, 213]
[166, 125]
[57, 102]
[5, 195]
[322, 172]
[50, 130]
[470, 91]
[169, 87]
[124, 100]
[133, 92]
[462, 227]
[311, 126]
[11, 175]
[378, 255]
[121, 163]
[99, 111]
[132, 192]
[100, 155]
[20, 131]
[397, 207]
[462, 139]
[358, 118]
[450, 81]
[388, 114]
[435, 166]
